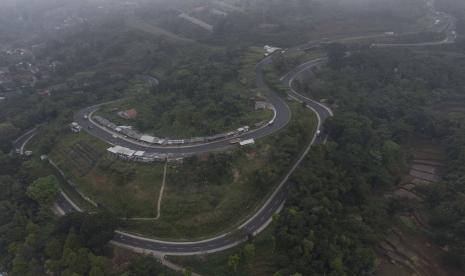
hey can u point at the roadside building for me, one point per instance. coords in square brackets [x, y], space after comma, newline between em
[218, 12]
[243, 129]
[263, 105]
[122, 152]
[235, 141]
[139, 155]
[45, 93]
[75, 127]
[128, 114]
[247, 142]
[270, 50]
[175, 160]
[148, 139]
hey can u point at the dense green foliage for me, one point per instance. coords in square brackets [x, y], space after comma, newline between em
[199, 97]
[331, 223]
[447, 204]
[34, 242]
[44, 190]
[219, 189]
[147, 266]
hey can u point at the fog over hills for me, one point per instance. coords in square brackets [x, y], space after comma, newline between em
[232, 137]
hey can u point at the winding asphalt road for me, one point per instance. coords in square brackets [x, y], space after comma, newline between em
[20, 143]
[260, 219]
[450, 31]
[263, 217]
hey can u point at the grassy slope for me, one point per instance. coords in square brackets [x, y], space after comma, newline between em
[197, 211]
[83, 159]
[135, 197]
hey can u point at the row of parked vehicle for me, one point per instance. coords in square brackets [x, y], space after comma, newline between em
[127, 131]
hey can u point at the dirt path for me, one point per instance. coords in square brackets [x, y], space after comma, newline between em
[160, 195]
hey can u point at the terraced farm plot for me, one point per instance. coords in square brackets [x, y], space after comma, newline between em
[406, 250]
[82, 156]
[127, 189]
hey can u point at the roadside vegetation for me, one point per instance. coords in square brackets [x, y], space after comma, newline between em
[225, 188]
[205, 96]
[337, 214]
[200, 194]
[382, 99]
[126, 189]
[254, 257]
[36, 242]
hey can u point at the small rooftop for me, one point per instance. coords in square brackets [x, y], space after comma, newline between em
[247, 142]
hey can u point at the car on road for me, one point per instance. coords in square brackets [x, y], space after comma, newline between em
[318, 132]
[234, 141]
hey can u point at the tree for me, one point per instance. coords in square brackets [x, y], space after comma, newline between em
[8, 132]
[54, 249]
[249, 252]
[93, 230]
[96, 271]
[8, 164]
[233, 261]
[187, 272]
[97, 229]
[44, 190]
[11, 189]
[99, 263]
[336, 52]
[147, 266]
[20, 265]
[82, 264]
